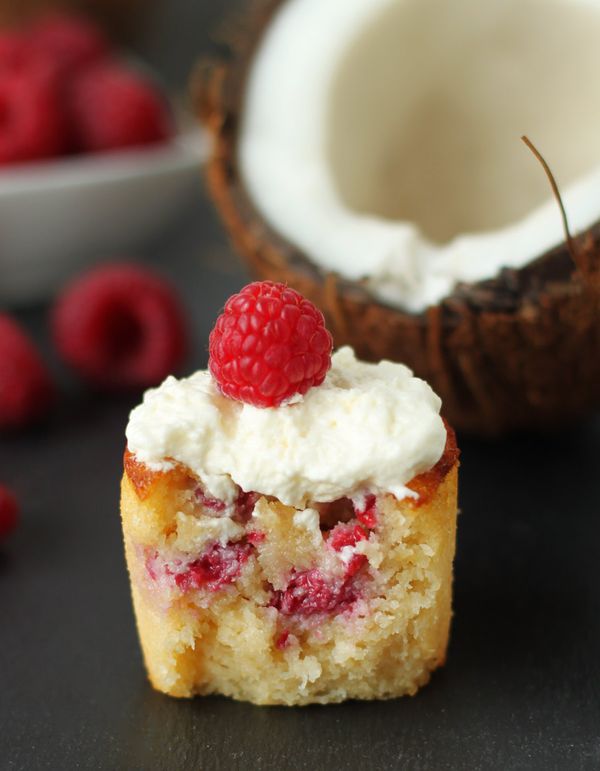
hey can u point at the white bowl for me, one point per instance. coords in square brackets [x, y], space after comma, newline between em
[58, 217]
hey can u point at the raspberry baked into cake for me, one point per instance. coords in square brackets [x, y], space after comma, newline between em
[289, 516]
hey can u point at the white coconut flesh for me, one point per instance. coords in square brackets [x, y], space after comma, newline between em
[382, 137]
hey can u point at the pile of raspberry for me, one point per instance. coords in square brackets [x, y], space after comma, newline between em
[64, 90]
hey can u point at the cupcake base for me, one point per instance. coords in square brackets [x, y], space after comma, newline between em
[263, 603]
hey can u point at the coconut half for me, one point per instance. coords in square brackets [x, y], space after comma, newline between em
[367, 152]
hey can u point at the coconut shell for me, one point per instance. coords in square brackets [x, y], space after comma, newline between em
[519, 351]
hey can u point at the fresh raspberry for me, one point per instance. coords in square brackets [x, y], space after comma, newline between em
[268, 345]
[33, 121]
[113, 108]
[26, 389]
[70, 42]
[9, 512]
[367, 514]
[120, 327]
[310, 592]
[219, 566]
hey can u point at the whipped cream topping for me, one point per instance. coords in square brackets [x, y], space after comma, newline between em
[367, 427]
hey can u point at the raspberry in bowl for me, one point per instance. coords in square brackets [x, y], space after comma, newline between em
[84, 128]
[289, 542]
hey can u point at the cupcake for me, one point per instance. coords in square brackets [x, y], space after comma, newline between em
[289, 517]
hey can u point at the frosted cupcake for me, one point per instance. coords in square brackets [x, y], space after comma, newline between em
[289, 517]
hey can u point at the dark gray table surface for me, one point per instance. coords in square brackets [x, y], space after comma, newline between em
[521, 689]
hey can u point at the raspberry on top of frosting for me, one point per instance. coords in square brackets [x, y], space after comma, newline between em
[269, 345]
[367, 427]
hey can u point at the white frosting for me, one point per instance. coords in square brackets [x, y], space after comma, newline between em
[368, 426]
[425, 116]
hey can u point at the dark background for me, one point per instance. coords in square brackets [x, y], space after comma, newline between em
[521, 689]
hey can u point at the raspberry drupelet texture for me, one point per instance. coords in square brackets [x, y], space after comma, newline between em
[269, 345]
[120, 326]
[9, 512]
[26, 388]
